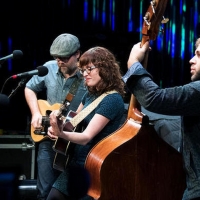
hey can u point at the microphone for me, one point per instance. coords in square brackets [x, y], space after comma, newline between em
[16, 55]
[4, 100]
[40, 71]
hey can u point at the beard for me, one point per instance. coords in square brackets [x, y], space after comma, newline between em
[71, 70]
[68, 69]
[196, 76]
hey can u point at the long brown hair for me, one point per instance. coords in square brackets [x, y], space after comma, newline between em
[109, 70]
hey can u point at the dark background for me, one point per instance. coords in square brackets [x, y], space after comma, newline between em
[31, 26]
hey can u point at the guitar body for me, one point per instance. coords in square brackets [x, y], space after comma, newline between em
[136, 165]
[61, 145]
[44, 107]
[64, 148]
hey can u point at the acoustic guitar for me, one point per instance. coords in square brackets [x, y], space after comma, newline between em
[64, 148]
[45, 109]
[134, 163]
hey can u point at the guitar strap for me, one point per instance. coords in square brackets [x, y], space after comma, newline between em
[73, 89]
[86, 111]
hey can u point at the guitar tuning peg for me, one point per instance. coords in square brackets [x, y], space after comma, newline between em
[146, 18]
[146, 21]
[165, 20]
[62, 118]
[152, 5]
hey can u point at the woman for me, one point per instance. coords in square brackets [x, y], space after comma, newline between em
[102, 74]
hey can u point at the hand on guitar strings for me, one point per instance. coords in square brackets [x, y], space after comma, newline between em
[55, 130]
[36, 121]
[138, 53]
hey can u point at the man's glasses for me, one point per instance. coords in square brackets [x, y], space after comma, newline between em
[87, 69]
[64, 59]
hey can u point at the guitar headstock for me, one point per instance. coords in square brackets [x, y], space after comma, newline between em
[62, 113]
[152, 20]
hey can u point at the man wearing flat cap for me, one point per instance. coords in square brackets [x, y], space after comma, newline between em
[63, 75]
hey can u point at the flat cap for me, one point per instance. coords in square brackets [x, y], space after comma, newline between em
[64, 45]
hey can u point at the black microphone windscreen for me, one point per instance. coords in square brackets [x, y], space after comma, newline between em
[4, 100]
[17, 54]
[42, 71]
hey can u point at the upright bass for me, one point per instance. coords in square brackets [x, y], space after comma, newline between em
[133, 163]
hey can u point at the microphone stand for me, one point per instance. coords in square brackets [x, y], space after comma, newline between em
[21, 83]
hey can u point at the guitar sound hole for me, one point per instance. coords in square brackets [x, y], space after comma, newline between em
[48, 112]
[45, 124]
[45, 121]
